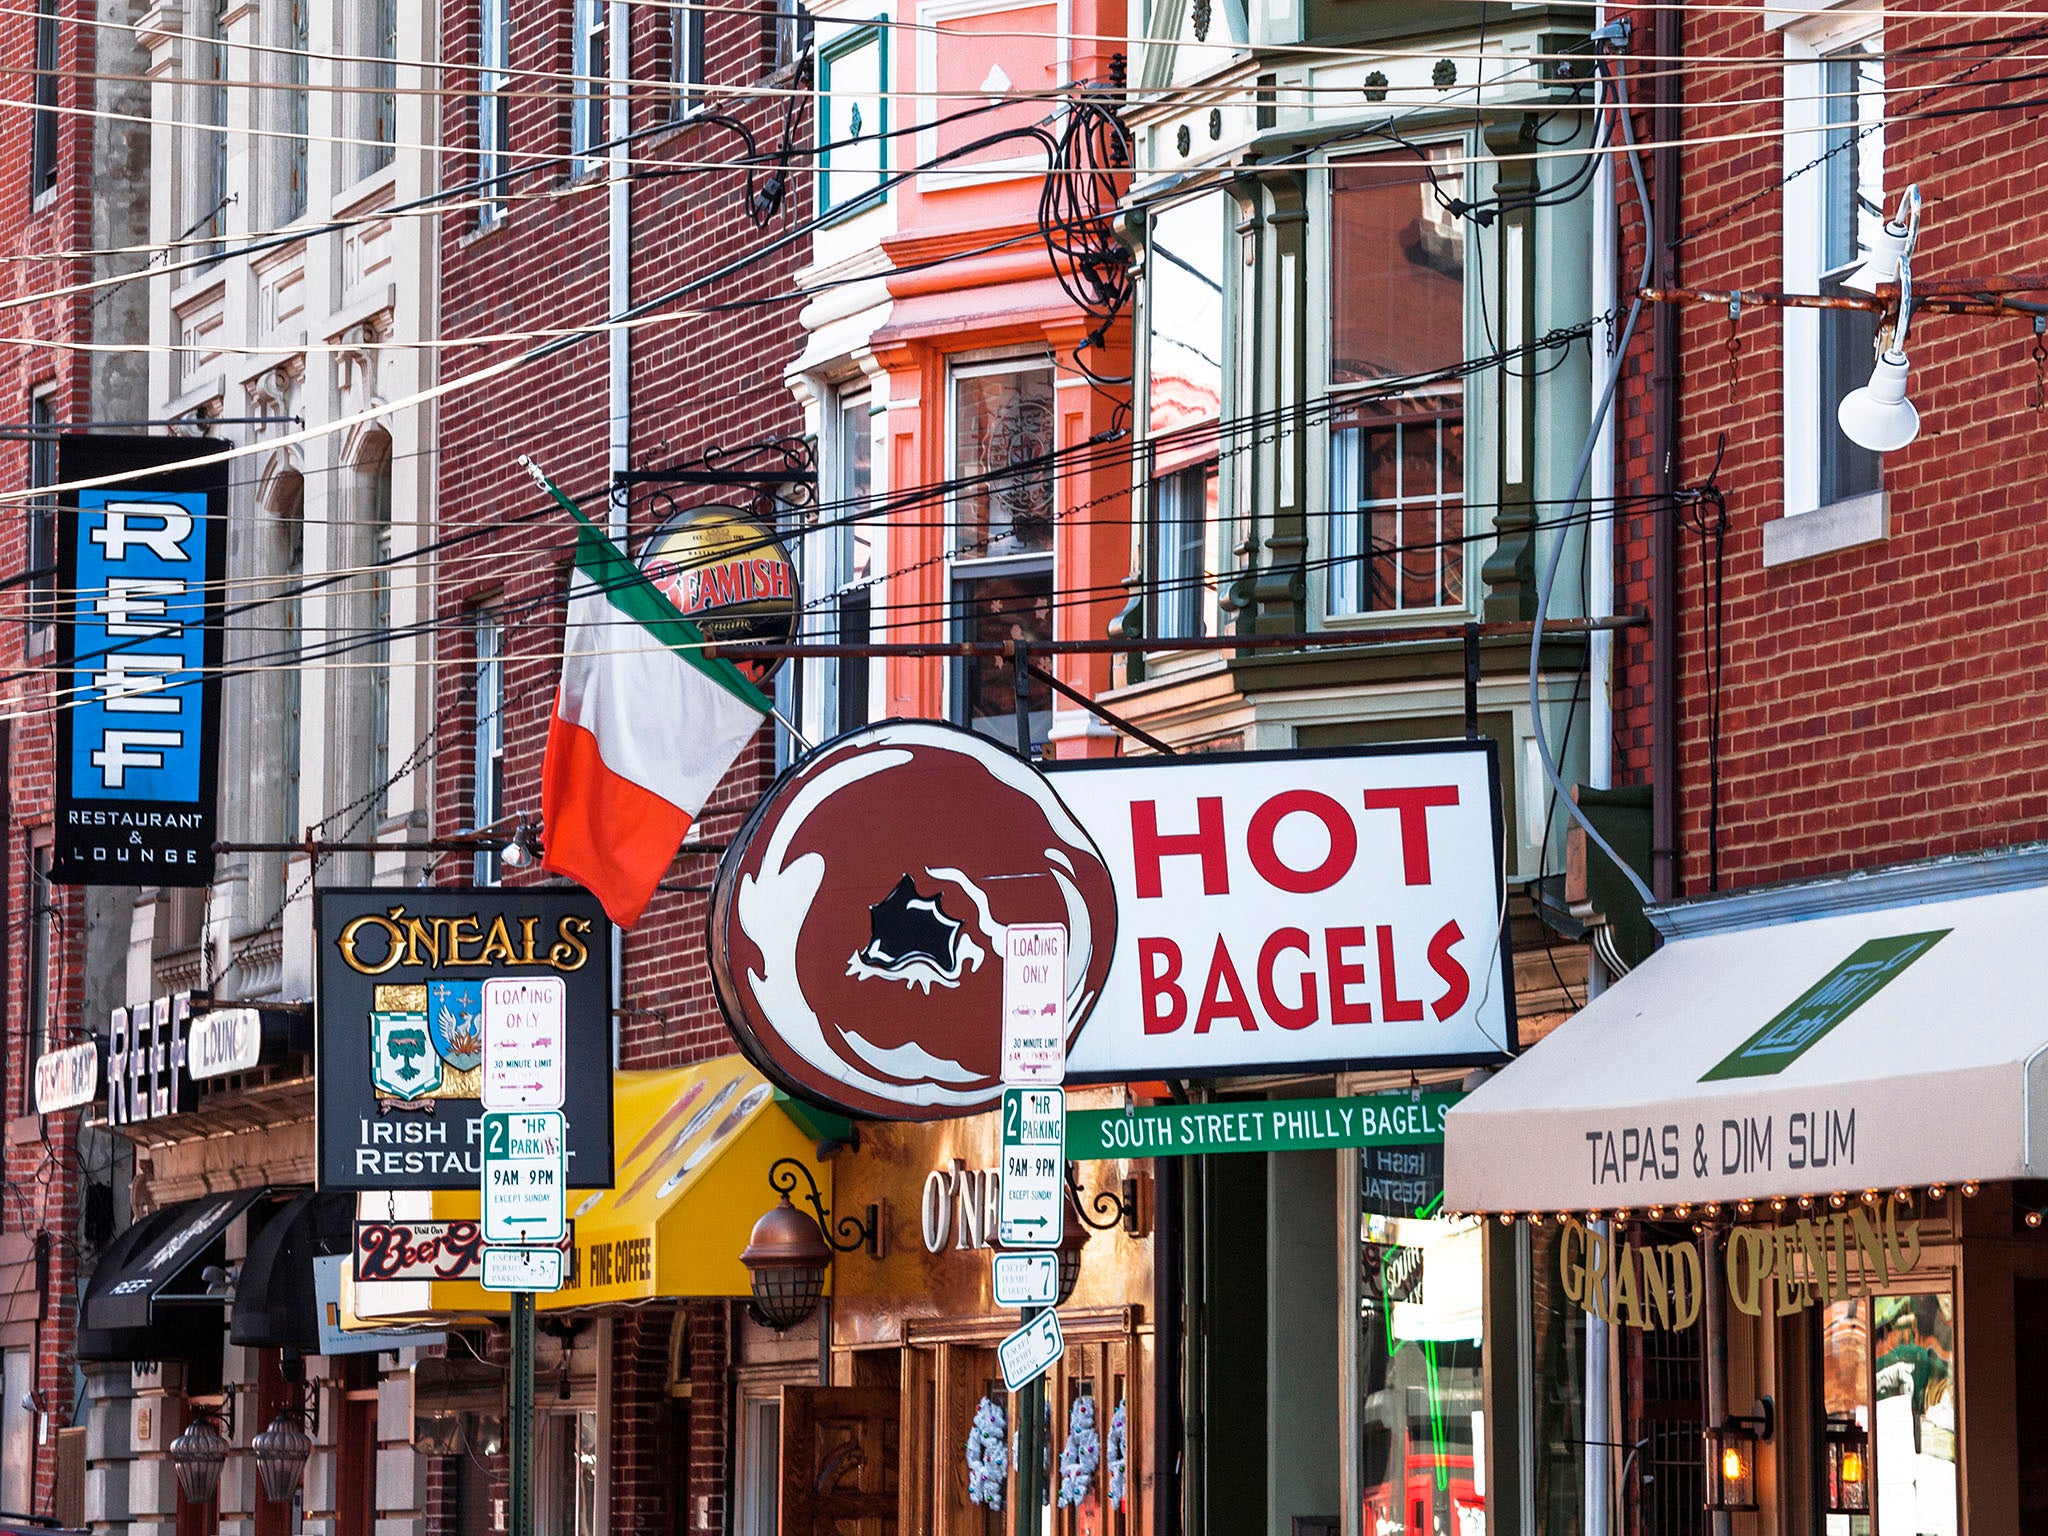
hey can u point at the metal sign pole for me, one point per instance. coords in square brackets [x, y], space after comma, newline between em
[520, 1441]
[1030, 1456]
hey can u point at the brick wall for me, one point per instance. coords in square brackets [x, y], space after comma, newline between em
[1882, 703]
[700, 380]
[41, 1158]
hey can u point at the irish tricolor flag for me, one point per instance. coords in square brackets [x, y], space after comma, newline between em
[645, 726]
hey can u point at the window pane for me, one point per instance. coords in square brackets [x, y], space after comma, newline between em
[1420, 1340]
[1397, 268]
[1184, 263]
[1002, 420]
[17, 1434]
[1186, 553]
[1003, 608]
[1852, 211]
[1915, 1413]
[759, 1496]
[1396, 542]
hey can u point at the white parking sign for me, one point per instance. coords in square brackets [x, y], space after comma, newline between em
[526, 1176]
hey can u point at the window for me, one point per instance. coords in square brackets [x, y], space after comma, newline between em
[1889, 1389]
[1834, 206]
[207, 218]
[289, 530]
[42, 1001]
[565, 1466]
[1184, 403]
[42, 519]
[1001, 470]
[298, 45]
[378, 509]
[587, 62]
[42, 174]
[17, 1432]
[686, 67]
[487, 793]
[493, 106]
[845, 556]
[1396, 528]
[1184, 555]
[793, 31]
[760, 1461]
[376, 126]
[853, 119]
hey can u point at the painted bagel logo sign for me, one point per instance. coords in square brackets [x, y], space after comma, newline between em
[1223, 914]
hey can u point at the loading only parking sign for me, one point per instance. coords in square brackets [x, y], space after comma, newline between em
[526, 1176]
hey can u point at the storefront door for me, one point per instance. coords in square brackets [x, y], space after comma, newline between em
[840, 1461]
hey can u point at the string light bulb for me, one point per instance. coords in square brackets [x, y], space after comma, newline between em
[1969, 1188]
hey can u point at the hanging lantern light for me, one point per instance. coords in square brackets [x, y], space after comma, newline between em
[1072, 1236]
[281, 1453]
[199, 1453]
[786, 1258]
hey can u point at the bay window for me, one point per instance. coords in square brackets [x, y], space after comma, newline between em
[1000, 442]
[1184, 300]
[1396, 527]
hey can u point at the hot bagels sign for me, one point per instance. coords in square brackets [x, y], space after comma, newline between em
[1225, 914]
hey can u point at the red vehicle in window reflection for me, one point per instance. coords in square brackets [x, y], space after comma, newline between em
[1426, 1504]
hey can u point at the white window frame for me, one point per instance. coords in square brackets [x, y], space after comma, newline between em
[827, 573]
[931, 29]
[963, 569]
[43, 519]
[1808, 44]
[689, 70]
[17, 1430]
[45, 135]
[493, 108]
[758, 1461]
[373, 39]
[591, 95]
[1478, 489]
[487, 777]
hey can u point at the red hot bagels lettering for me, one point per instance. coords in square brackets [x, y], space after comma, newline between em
[1299, 978]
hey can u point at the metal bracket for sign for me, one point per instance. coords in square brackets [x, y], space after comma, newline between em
[781, 469]
[1107, 716]
[1116, 1207]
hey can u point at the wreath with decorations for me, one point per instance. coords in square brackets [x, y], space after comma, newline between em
[988, 1456]
[1118, 1458]
[1082, 1453]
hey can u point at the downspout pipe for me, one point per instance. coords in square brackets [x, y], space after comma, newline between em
[1664, 378]
[618, 254]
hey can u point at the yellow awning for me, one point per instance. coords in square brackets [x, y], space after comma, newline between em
[691, 1179]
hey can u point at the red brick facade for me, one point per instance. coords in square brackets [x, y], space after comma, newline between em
[1873, 701]
[703, 376]
[42, 1214]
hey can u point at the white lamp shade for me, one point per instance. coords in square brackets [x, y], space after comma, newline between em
[1882, 264]
[1879, 416]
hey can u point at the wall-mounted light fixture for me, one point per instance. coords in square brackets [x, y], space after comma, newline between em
[1878, 416]
[788, 1253]
[1115, 1207]
[1848, 1465]
[198, 1454]
[1731, 1451]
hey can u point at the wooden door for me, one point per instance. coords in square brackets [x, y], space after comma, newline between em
[840, 1461]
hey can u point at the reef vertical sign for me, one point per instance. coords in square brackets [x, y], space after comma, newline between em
[136, 605]
[405, 978]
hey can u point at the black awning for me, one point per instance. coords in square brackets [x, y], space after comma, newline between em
[135, 1305]
[275, 1307]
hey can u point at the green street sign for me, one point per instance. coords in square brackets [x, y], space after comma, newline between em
[1399, 1119]
[1808, 1017]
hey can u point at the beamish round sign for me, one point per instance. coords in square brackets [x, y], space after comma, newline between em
[730, 575]
[857, 921]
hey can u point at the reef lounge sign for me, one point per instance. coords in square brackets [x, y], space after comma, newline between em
[1770, 1271]
[400, 1051]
